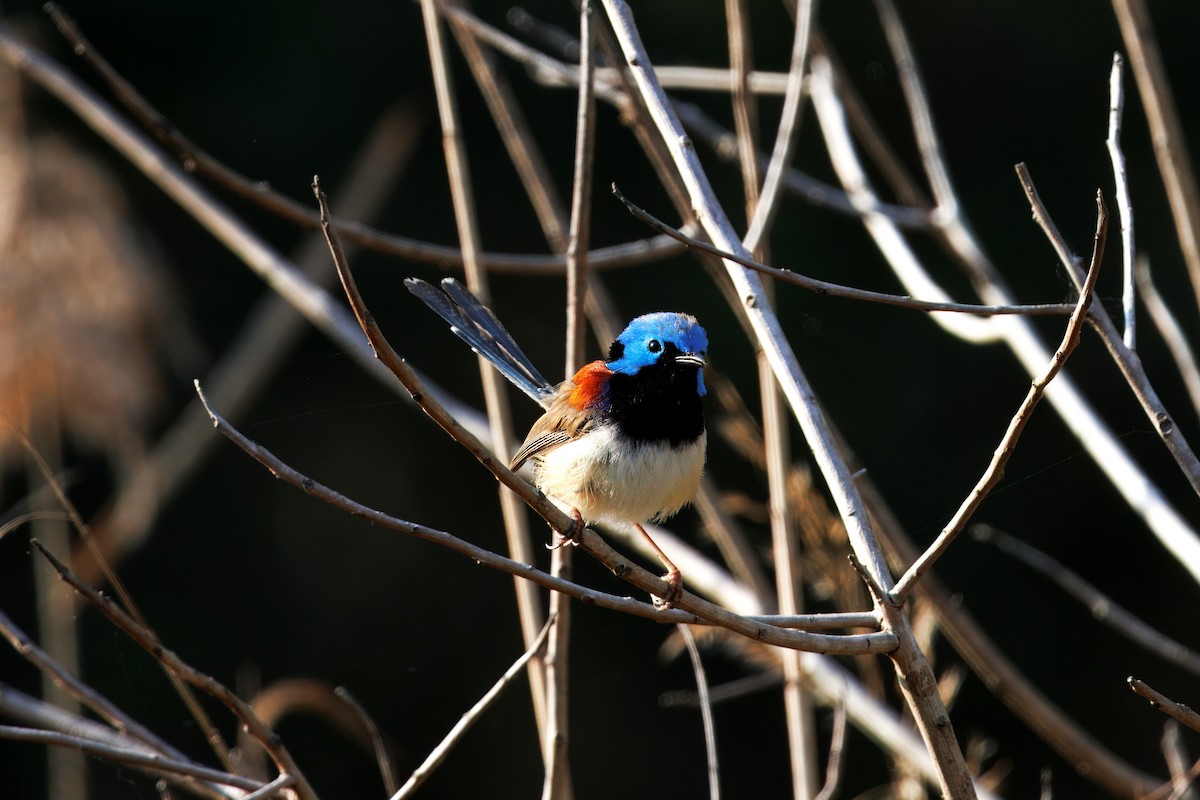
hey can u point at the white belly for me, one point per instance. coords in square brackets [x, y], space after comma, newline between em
[622, 484]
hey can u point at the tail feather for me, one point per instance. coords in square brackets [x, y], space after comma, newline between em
[476, 325]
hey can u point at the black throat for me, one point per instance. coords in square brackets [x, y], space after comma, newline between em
[658, 405]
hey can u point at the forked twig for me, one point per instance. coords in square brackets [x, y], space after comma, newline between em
[995, 469]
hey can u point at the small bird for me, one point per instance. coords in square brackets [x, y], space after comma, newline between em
[621, 441]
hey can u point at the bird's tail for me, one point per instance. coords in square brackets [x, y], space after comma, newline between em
[475, 324]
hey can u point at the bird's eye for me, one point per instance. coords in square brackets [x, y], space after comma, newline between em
[653, 345]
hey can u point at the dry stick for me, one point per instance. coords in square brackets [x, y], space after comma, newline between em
[1171, 331]
[767, 203]
[1142, 495]
[196, 160]
[916, 678]
[1116, 107]
[818, 286]
[516, 523]
[1176, 711]
[1102, 607]
[387, 770]
[151, 762]
[798, 711]
[710, 730]
[995, 469]
[1166, 131]
[837, 745]
[513, 128]
[150, 642]
[556, 517]
[211, 734]
[1129, 364]
[273, 788]
[439, 753]
[557, 784]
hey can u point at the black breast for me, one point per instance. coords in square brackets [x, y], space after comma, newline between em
[658, 404]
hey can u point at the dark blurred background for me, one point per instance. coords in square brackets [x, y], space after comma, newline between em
[252, 581]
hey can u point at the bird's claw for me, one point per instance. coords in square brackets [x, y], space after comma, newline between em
[572, 536]
[674, 581]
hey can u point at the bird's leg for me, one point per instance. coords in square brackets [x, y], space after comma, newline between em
[573, 536]
[674, 577]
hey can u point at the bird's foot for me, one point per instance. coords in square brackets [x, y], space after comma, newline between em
[674, 580]
[573, 536]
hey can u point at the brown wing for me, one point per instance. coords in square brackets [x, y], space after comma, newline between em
[559, 425]
[575, 408]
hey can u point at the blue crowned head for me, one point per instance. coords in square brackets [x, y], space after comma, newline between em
[661, 339]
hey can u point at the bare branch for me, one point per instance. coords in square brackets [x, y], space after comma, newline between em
[1171, 331]
[1004, 451]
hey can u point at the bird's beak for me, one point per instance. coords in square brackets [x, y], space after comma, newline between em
[690, 358]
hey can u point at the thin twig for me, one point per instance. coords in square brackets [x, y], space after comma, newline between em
[516, 522]
[821, 287]
[995, 469]
[1116, 107]
[1176, 756]
[151, 762]
[1177, 711]
[387, 770]
[706, 715]
[837, 745]
[1102, 607]
[1166, 130]
[439, 753]
[150, 642]
[1177, 341]
[767, 204]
